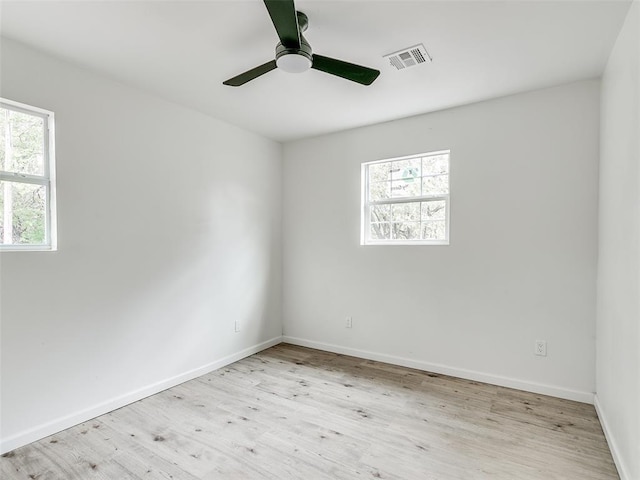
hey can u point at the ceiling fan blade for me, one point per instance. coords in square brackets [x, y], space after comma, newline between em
[350, 71]
[251, 74]
[284, 18]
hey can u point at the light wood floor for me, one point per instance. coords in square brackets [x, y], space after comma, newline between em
[295, 413]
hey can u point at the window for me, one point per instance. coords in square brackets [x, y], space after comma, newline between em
[405, 201]
[27, 188]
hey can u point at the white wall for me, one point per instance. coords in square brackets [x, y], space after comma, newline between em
[522, 261]
[618, 312]
[169, 231]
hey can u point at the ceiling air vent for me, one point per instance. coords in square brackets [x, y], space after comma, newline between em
[409, 57]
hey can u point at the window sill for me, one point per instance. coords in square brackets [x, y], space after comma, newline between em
[408, 243]
[27, 248]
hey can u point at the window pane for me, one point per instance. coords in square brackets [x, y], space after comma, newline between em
[21, 142]
[379, 191]
[435, 185]
[435, 165]
[406, 169]
[380, 172]
[434, 210]
[406, 231]
[433, 230]
[407, 200]
[405, 212]
[380, 231]
[380, 213]
[405, 187]
[22, 213]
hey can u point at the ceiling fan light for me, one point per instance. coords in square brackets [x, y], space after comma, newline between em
[293, 63]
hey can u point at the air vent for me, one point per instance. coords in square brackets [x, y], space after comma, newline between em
[409, 57]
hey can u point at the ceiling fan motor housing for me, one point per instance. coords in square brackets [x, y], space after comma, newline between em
[299, 58]
[304, 50]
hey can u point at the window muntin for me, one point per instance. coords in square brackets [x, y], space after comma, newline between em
[406, 200]
[27, 200]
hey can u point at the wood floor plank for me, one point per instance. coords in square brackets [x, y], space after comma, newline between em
[291, 412]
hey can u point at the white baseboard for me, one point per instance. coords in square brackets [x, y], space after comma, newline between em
[57, 425]
[613, 446]
[585, 397]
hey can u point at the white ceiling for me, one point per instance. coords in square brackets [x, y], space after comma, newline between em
[184, 50]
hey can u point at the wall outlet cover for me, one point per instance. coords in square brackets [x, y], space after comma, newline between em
[540, 348]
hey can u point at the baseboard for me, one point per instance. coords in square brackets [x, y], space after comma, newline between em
[585, 397]
[623, 471]
[55, 426]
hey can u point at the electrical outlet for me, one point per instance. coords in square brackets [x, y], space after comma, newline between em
[236, 326]
[541, 348]
[349, 322]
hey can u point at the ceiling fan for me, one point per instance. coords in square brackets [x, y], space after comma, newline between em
[294, 54]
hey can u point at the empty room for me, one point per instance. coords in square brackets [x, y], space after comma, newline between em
[267, 239]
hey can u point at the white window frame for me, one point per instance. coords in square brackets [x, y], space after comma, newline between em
[365, 229]
[47, 179]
